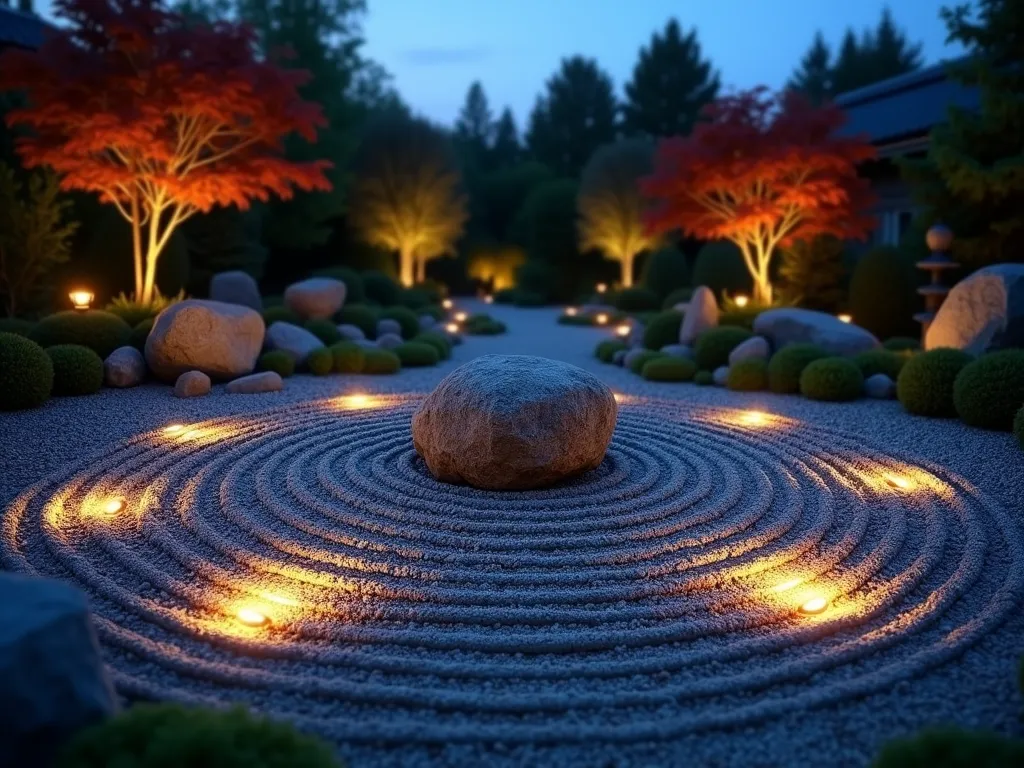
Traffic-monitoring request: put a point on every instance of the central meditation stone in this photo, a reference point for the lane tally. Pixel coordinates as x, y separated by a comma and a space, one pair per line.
514, 422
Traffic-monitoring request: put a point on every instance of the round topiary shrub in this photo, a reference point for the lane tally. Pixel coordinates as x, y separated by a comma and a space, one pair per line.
742, 318
320, 362
636, 300
412, 354
278, 361
883, 293
26, 373
406, 318
324, 330
436, 311
347, 357
140, 333
665, 271
835, 379
77, 370
788, 363
668, 368
16, 325
484, 325
750, 375
714, 345
880, 361
636, 365
354, 292
606, 349
901, 344
663, 329
381, 289
437, 340
361, 316
414, 298
678, 296
925, 383
720, 267
100, 331
989, 391
280, 314
951, 748
704, 378
381, 361
172, 735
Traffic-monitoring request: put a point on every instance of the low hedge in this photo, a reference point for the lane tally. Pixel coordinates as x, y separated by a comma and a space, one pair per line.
347, 357
26, 373
750, 375
324, 330
278, 361
704, 378
786, 366
666, 368
280, 314
77, 370
901, 344
484, 325
989, 391
606, 349
714, 345
17, 326
361, 316
140, 333
663, 329
638, 362
438, 341
925, 383
405, 317
320, 362
413, 354
380, 288
381, 361
100, 331
834, 379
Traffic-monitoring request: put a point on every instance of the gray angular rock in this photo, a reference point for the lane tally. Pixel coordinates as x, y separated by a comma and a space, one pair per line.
351, 332
510, 422
236, 287
255, 383
53, 679
124, 367
387, 325
790, 326
701, 314
221, 340
720, 376
316, 298
427, 322
192, 384
296, 342
619, 358
880, 387
754, 348
389, 340
984, 312
678, 350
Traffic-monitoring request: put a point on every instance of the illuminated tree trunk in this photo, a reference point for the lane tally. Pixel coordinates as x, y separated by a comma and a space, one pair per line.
421, 269
627, 269
406, 264
758, 258
136, 222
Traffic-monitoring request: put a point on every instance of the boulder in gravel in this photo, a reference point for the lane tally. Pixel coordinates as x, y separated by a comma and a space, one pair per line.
880, 387
789, 325
754, 348
984, 312
678, 350
192, 384
619, 358
720, 376
427, 322
236, 287
124, 367
296, 342
351, 332
387, 325
221, 340
255, 383
514, 422
316, 298
701, 314
54, 681
389, 340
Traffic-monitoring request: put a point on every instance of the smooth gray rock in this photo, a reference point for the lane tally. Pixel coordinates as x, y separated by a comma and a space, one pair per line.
221, 340
389, 340
52, 678
366, 343
678, 350
720, 376
754, 348
790, 326
880, 387
701, 315
295, 341
984, 312
316, 298
632, 354
124, 367
510, 422
236, 287
255, 383
387, 325
351, 332
619, 358
427, 322
192, 384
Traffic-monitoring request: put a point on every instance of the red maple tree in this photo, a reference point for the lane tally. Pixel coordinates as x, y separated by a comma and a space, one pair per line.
161, 118
762, 171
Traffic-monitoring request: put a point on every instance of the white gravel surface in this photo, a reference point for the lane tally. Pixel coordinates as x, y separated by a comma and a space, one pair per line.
642, 615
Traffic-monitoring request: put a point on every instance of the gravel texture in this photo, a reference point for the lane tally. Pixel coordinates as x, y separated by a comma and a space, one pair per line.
644, 614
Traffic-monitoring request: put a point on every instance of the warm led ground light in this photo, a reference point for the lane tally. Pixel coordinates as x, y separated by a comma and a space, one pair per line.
899, 482
623, 330
460, 317
601, 319
845, 318
814, 606
452, 328
358, 401
112, 506
570, 311
81, 299
447, 304
601, 287
742, 301
754, 418
251, 617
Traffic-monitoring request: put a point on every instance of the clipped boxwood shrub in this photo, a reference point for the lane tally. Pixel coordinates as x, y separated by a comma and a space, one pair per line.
989, 391
77, 370
406, 318
925, 383
678, 296
788, 363
140, 333
278, 361
347, 357
16, 325
435, 290
354, 292
100, 331
636, 300
361, 316
720, 267
324, 330
380, 288
606, 349
880, 361
415, 298
280, 314
901, 344
413, 354
883, 293
663, 329
320, 361
835, 379
380, 361
951, 748
484, 325
704, 378
665, 271
750, 375
437, 340
152, 735
714, 345
26, 373
667, 368
637, 364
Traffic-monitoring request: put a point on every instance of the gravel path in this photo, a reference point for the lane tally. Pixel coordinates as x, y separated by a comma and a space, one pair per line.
646, 614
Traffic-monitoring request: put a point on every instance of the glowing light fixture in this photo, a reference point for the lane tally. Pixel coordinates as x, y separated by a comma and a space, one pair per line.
601, 319
173, 429
81, 299
251, 617
742, 301
845, 318
814, 606
460, 317
112, 506
488, 299
623, 330
447, 304
452, 328
571, 311
898, 482
601, 287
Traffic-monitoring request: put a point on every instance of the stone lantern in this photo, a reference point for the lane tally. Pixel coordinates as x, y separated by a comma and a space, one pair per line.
939, 239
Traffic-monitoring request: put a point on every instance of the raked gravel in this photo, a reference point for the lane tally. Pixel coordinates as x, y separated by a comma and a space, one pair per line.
644, 615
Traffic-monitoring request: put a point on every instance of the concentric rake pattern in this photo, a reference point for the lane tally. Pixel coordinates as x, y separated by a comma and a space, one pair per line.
720, 568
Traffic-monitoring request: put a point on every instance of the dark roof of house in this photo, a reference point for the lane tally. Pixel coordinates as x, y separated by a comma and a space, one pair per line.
24, 30
900, 111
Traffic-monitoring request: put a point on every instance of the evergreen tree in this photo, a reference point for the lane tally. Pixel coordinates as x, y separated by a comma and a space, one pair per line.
474, 128
811, 273
506, 150
881, 53
670, 85
849, 71
574, 117
223, 239
813, 78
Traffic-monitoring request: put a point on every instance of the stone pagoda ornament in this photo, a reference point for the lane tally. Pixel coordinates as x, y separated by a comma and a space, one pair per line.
939, 239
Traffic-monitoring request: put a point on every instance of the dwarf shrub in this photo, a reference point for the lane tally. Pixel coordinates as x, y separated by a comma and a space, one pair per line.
437, 340
665, 368
835, 379
405, 317
925, 383
140, 333
380, 288
324, 330
77, 370
704, 378
880, 361
26, 373
16, 325
380, 361
637, 364
100, 331
525, 298
606, 349
663, 329
636, 300
951, 748
750, 375
989, 391
347, 357
320, 362
278, 361
788, 363
280, 314
678, 296
484, 325
413, 354
901, 344
714, 345
361, 316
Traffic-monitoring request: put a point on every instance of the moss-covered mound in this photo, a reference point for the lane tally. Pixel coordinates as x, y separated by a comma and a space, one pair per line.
663, 329
77, 370
381, 361
749, 375
835, 379
989, 391
347, 357
714, 345
925, 383
100, 331
788, 363
277, 361
667, 368
320, 362
413, 354
26, 373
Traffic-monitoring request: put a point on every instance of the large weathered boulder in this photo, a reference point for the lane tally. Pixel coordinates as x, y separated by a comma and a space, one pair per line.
124, 367
790, 326
52, 679
295, 341
316, 298
983, 312
221, 340
511, 422
701, 314
236, 287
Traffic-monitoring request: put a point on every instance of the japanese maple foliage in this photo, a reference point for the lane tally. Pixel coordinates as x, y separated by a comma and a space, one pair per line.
762, 171
161, 118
